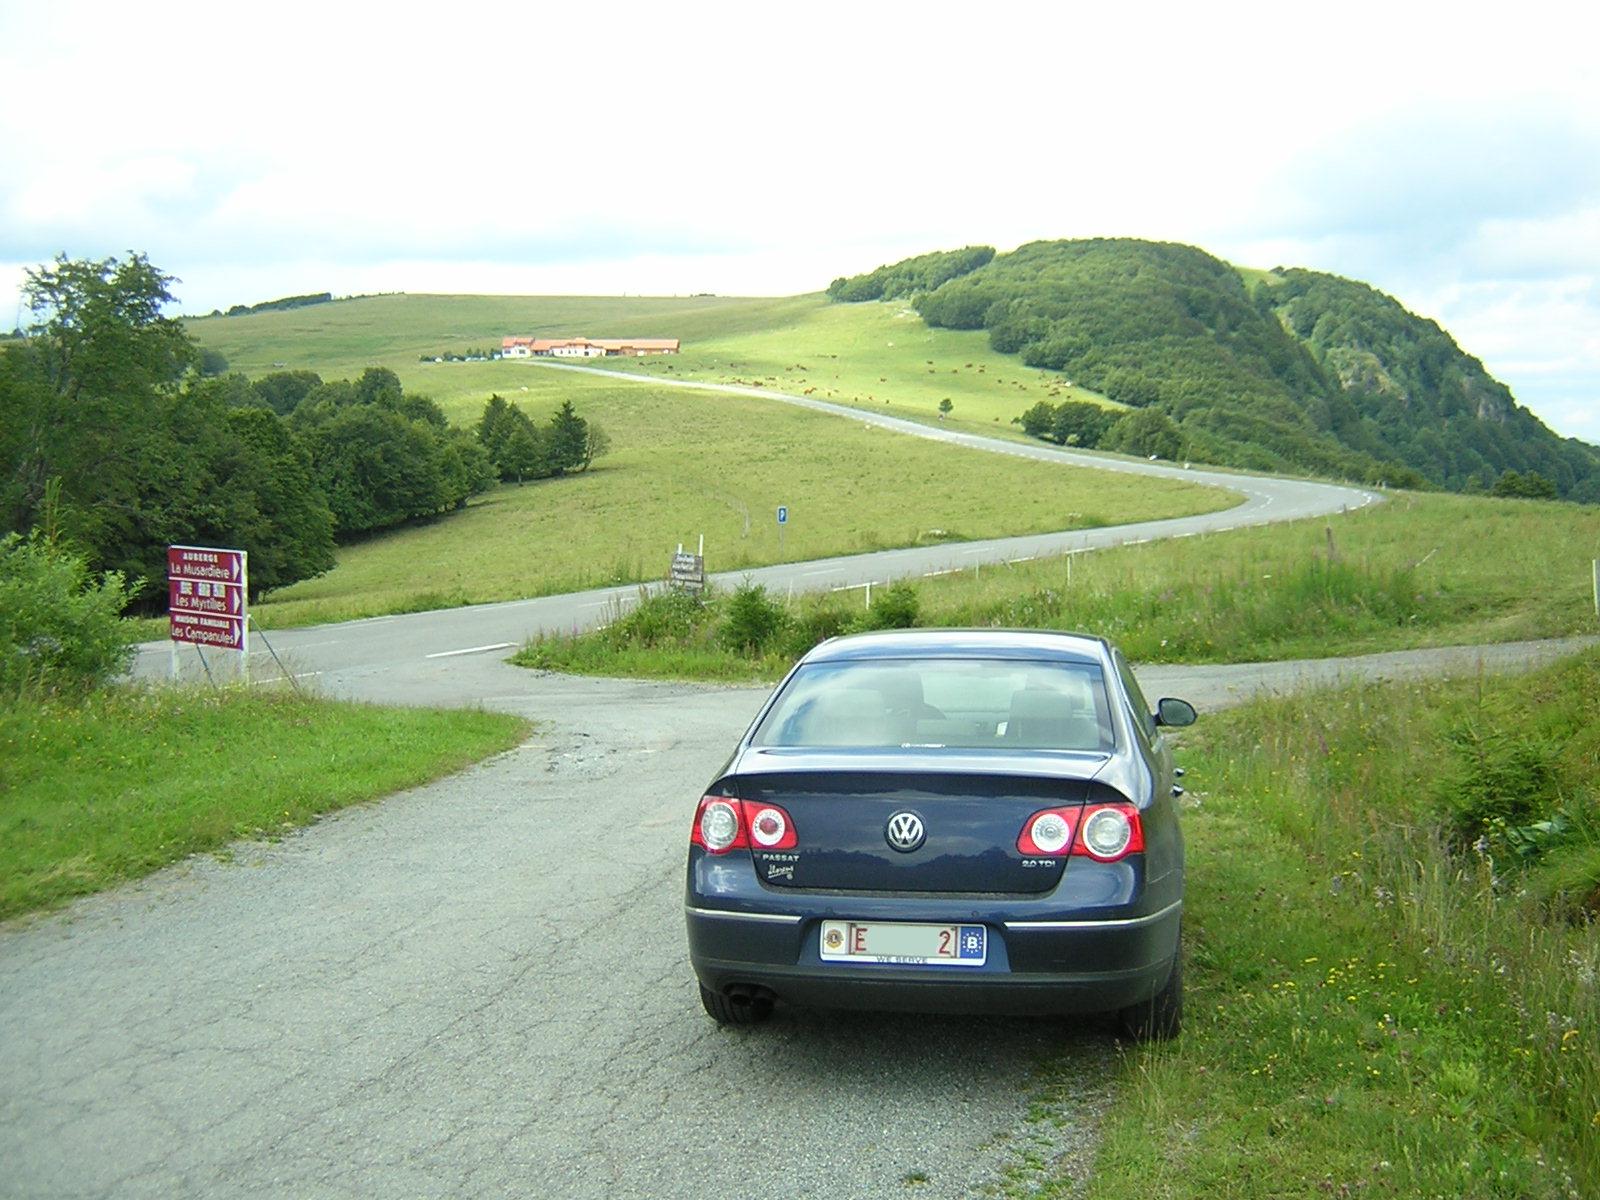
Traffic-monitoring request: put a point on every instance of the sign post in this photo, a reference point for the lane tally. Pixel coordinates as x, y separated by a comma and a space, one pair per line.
208, 593
689, 570
783, 519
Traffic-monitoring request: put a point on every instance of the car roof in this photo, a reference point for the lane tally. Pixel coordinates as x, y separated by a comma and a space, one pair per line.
1035, 644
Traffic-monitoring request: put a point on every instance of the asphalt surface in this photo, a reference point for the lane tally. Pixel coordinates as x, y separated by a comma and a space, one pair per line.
480, 987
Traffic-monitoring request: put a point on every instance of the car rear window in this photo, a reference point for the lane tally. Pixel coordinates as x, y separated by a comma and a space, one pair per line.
957, 703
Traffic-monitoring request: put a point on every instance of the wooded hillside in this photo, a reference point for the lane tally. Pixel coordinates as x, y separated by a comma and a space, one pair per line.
1301, 370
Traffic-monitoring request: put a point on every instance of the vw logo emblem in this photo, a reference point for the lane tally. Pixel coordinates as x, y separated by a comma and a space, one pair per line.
905, 832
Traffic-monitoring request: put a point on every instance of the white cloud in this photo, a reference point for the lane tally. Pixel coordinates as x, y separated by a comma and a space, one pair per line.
258, 150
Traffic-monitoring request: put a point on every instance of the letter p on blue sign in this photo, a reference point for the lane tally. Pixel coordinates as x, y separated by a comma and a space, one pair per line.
783, 514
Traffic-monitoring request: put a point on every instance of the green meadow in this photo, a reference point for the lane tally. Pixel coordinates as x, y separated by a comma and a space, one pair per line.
870, 355
687, 463
874, 355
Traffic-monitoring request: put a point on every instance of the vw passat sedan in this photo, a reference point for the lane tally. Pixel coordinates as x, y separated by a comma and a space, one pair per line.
946, 821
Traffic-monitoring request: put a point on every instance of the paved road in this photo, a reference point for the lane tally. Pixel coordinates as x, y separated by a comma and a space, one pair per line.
384, 644
479, 988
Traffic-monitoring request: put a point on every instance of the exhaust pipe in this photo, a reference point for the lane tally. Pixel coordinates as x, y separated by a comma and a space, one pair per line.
750, 995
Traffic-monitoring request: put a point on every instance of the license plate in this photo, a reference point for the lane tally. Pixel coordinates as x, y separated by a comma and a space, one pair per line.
903, 942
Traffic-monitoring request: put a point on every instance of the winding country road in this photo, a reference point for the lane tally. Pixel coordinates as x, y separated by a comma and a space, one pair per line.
479, 988
357, 652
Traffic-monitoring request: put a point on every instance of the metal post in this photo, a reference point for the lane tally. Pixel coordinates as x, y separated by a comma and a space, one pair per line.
282, 670
174, 645
869, 593
244, 621
1596, 565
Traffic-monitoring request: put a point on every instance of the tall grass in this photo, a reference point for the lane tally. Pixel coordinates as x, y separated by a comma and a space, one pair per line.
1376, 1007
1420, 570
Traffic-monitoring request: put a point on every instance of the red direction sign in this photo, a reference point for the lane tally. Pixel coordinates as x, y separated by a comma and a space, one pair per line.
198, 595
207, 596
204, 562
225, 633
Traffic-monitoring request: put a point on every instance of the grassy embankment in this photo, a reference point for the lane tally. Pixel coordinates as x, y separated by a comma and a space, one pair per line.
1420, 570
1392, 952
682, 464
128, 781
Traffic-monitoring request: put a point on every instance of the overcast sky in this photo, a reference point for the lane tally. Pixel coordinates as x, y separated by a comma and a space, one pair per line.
1448, 155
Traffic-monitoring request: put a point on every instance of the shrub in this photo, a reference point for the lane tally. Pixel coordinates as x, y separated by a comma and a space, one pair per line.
1504, 779
662, 619
753, 619
815, 626
897, 607
60, 628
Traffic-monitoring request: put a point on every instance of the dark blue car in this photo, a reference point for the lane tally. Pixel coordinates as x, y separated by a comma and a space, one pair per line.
946, 821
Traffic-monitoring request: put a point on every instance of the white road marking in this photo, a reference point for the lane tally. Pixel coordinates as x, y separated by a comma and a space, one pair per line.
471, 650
828, 571
281, 678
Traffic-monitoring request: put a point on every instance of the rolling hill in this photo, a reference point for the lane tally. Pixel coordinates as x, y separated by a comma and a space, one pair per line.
682, 463
1286, 369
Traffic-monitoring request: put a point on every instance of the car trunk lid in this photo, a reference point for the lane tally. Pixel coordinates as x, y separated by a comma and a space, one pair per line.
849, 821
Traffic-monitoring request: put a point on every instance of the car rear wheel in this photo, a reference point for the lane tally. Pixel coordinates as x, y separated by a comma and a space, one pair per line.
742, 1008
1160, 1017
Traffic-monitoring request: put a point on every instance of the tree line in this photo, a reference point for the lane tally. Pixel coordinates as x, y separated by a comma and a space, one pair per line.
911, 277
112, 441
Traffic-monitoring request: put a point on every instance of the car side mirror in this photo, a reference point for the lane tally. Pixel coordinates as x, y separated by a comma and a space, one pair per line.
1175, 713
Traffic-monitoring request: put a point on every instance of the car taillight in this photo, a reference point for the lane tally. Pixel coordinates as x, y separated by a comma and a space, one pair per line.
1109, 832
770, 827
1048, 833
724, 823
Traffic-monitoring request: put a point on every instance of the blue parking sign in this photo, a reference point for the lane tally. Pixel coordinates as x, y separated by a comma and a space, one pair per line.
783, 514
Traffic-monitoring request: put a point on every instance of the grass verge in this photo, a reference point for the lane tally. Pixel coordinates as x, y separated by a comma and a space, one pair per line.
128, 781
1420, 570
1392, 974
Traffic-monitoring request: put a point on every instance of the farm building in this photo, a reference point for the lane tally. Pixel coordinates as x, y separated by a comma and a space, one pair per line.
523, 347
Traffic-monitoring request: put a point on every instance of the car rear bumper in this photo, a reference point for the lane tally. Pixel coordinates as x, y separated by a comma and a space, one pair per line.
1066, 965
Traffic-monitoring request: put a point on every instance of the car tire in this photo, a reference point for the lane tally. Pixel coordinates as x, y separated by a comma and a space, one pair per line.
1159, 1018
729, 1010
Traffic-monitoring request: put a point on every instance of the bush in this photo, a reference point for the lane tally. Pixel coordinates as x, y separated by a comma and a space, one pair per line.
897, 607
663, 619
1505, 779
815, 626
753, 619
60, 628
